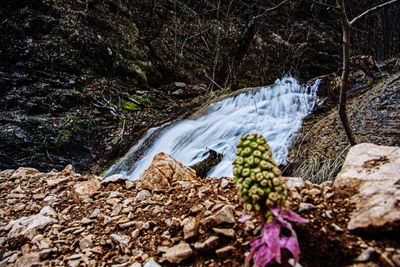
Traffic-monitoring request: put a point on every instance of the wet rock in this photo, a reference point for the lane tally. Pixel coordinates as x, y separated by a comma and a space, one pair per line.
162, 171
204, 166
190, 227
84, 190
209, 244
178, 253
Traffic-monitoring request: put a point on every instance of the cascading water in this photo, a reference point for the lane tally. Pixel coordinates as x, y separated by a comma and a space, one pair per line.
281, 109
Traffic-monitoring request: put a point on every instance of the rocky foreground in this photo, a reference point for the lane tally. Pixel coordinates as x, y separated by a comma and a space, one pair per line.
171, 217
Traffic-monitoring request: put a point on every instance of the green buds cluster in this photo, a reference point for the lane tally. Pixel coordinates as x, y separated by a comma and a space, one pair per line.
256, 176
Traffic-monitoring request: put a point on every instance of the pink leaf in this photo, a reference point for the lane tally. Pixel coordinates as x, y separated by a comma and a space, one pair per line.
264, 256
292, 216
292, 245
270, 236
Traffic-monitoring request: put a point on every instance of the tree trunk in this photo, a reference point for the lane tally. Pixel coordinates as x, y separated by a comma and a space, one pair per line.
345, 72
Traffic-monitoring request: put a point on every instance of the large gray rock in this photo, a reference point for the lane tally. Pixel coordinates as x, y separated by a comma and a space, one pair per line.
372, 172
162, 171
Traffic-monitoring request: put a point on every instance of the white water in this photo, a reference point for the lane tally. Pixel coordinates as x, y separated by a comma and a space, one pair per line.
281, 109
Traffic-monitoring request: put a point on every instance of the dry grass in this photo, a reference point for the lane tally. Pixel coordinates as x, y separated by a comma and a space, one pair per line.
319, 168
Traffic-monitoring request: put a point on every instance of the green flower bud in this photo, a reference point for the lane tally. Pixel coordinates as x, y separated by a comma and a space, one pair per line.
245, 152
250, 160
276, 171
259, 176
244, 137
248, 180
256, 170
238, 151
253, 145
260, 192
276, 181
253, 176
248, 206
264, 183
270, 203
273, 196
257, 153
246, 143
257, 207
246, 172
261, 149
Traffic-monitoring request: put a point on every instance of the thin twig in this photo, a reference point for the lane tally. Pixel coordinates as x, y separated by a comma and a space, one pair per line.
272, 8
214, 82
324, 4
370, 10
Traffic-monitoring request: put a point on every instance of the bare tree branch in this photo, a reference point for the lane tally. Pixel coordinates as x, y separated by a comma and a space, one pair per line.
370, 10
272, 8
324, 4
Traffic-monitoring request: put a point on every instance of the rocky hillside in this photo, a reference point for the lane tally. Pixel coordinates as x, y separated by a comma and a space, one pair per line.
171, 217
82, 80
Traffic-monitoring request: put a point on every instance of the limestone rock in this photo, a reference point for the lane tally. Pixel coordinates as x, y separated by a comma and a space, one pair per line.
84, 190
190, 227
377, 207
30, 259
178, 253
225, 215
23, 173
86, 242
151, 263
225, 251
114, 179
208, 244
373, 173
28, 226
369, 162
226, 232
162, 171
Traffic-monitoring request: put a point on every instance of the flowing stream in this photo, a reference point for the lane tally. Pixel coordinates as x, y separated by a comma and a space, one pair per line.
280, 109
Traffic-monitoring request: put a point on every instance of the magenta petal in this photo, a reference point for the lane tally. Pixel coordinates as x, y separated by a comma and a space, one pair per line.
264, 256
270, 236
255, 243
292, 216
292, 245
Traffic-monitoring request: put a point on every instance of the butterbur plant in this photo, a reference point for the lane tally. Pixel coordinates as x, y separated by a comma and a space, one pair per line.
264, 194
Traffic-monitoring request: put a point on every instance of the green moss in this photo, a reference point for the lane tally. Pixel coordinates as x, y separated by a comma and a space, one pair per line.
128, 105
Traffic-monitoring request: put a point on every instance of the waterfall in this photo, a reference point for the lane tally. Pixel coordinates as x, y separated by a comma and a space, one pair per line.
281, 109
